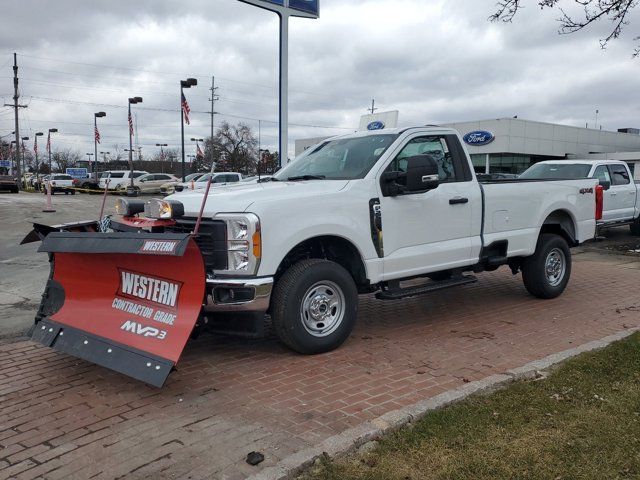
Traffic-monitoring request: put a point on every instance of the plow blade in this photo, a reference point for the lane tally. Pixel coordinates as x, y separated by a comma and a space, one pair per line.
126, 301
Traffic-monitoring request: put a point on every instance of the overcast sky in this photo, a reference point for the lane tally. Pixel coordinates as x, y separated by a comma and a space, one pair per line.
435, 61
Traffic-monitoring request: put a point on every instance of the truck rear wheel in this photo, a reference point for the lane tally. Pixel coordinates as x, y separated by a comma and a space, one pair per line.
314, 306
546, 273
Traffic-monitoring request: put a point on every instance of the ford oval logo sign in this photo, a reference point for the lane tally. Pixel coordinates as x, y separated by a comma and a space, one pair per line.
377, 125
479, 138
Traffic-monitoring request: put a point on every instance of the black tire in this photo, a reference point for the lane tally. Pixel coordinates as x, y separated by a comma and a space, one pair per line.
317, 278
635, 227
73, 192
537, 280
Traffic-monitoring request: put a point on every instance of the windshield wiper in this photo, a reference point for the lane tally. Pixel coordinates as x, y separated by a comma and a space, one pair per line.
270, 179
306, 177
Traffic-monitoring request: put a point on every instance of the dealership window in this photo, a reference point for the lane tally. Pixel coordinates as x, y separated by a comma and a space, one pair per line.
508, 163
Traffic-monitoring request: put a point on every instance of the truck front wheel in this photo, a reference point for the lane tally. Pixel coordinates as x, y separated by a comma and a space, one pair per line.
314, 306
546, 273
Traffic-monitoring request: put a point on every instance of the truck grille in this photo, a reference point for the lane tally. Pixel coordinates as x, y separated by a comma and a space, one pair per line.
212, 240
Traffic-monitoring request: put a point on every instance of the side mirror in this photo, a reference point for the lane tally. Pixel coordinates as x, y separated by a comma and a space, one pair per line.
422, 173
606, 185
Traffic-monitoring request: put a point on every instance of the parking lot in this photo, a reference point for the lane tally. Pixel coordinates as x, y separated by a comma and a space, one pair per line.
65, 418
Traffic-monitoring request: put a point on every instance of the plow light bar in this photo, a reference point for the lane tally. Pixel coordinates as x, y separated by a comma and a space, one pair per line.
163, 209
128, 208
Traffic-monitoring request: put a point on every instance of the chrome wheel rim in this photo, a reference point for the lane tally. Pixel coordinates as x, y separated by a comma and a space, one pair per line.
555, 267
322, 309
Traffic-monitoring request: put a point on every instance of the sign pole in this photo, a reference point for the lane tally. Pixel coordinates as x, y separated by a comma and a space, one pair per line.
284, 90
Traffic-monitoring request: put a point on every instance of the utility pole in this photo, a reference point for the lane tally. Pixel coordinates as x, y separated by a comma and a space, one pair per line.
213, 99
16, 106
373, 106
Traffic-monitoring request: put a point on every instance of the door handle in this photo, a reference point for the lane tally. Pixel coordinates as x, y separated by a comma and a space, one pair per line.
458, 201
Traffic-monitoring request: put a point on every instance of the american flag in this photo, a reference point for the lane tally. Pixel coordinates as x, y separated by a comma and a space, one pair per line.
35, 145
185, 110
130, 124
97, 135
49, 143
199, 152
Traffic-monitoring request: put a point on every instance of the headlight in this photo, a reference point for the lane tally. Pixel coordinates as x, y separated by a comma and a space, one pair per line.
163, 209
128, 208
244, 242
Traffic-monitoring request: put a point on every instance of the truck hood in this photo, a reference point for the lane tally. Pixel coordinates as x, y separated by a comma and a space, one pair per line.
241, 198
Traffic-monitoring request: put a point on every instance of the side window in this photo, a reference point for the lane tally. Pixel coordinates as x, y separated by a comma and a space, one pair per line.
232, 178
619, 175
220, 179
435, 146
602, 173
162, 177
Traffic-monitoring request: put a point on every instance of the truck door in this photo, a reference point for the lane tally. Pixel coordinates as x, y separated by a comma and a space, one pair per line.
623, 191
431, 231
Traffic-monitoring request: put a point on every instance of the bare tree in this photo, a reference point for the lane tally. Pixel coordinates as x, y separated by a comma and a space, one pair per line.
234, 149
617, 12
66, 158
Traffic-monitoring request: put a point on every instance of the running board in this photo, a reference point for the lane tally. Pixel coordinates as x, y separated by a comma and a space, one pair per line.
397, 294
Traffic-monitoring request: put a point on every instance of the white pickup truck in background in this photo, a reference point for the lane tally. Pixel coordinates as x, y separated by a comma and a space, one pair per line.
621, 203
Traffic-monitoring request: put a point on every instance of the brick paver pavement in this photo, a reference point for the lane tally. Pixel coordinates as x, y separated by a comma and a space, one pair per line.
63, 418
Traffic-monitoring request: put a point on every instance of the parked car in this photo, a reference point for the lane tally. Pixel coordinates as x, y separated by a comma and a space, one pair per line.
119, 180
60, 182
169, 188
201, 182
621, 203
153, 182
9, 183
87, 183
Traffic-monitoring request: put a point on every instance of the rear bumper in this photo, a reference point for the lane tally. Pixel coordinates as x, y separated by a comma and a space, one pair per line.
251, 295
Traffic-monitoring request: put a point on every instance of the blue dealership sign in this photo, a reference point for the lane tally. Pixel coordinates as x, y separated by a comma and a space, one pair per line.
6, 164
377, 125
308, 6
77, 172
479, 138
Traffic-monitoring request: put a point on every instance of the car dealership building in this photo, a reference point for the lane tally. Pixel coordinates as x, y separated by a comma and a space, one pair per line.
511, 145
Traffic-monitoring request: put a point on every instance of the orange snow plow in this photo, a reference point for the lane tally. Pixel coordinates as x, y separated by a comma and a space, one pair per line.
125, 300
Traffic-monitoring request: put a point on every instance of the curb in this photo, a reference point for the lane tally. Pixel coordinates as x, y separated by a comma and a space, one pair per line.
349, 440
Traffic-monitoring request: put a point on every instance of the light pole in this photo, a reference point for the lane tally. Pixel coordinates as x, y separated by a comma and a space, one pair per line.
161, 145
35, 150
132, 100
188, 83
14, 169
51, 130
96, 141
90, 155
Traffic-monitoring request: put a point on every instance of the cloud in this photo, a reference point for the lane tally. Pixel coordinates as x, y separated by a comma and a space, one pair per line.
435, 61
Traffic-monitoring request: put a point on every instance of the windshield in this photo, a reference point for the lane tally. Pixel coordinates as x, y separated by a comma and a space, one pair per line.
105, 175
340, 159
193, 176
563, 171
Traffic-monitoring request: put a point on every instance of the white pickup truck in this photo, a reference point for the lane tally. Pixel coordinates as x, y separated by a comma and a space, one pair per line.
621, 205
362, 213
357, 214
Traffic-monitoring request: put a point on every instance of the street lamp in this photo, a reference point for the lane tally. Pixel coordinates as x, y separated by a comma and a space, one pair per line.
35, 150
188, 83
132, 100
161, 145
51, 130
89, 155
96, 141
